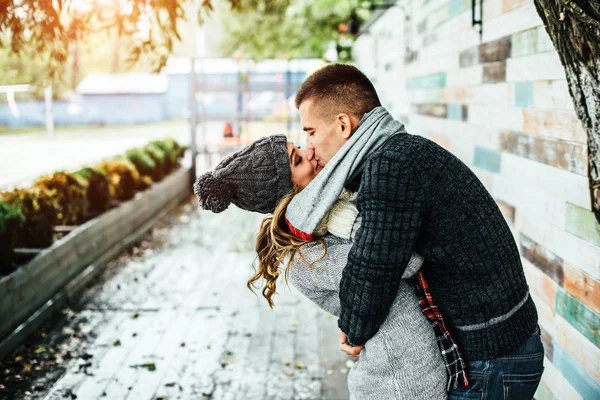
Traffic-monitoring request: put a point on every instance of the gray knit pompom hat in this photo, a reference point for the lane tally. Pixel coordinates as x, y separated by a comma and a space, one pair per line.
254, 179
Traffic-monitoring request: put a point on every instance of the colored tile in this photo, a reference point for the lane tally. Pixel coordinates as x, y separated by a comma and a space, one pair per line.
455, 111
494, 72
455, 7
583, 224
487, 159
436, 80
525, 43
524, 94
498, 50
581, 317
575, 374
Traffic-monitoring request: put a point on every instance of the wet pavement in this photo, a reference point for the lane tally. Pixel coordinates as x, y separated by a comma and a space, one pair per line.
171, 318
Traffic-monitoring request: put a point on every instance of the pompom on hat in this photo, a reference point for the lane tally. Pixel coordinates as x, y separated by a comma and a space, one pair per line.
255, 178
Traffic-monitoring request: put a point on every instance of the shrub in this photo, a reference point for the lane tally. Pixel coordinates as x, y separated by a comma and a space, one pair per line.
68, 195
11, 221
163, 163
123, 178
143, 163
97, 189
40, 215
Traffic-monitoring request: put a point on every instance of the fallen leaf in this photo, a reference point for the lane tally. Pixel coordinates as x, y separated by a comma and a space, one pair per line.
329, 372
288, 373
170, 384
349, 363
299, 365
296, 323
117, 343
343, 371
19, 358
40, 349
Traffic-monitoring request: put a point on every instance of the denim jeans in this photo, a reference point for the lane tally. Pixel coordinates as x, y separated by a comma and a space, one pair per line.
512, 376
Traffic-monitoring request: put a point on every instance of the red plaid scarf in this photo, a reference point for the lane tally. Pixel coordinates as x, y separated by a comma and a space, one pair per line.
455, 365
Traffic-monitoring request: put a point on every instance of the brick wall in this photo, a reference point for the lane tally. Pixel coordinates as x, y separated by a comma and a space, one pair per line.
501, 104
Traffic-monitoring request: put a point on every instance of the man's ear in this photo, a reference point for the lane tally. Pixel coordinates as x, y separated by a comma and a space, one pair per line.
345, 125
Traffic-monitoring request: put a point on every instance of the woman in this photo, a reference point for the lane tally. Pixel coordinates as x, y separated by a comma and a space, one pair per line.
402, 360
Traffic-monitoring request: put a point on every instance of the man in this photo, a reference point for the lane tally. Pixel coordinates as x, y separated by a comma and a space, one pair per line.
414, 196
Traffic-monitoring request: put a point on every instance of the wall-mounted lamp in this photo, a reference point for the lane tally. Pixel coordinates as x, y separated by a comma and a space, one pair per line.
477, 9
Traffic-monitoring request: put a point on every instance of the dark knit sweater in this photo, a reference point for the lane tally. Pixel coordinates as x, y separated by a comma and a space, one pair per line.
416, 197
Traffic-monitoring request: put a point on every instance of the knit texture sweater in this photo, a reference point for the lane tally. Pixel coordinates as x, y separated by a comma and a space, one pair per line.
416, 197
402, 360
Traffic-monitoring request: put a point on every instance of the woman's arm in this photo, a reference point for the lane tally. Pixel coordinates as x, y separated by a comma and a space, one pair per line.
318, 277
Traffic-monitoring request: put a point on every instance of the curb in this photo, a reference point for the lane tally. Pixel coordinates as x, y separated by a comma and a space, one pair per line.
71, 289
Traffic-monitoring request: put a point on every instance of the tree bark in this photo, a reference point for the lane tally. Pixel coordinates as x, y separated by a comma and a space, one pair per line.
574, 27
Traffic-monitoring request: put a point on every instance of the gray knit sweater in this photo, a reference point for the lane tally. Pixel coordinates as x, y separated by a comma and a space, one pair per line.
402, 360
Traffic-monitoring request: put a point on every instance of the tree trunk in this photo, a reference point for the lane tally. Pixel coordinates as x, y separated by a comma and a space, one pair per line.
574, 27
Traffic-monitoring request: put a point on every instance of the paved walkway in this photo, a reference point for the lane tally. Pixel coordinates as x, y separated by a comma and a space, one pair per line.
173, 319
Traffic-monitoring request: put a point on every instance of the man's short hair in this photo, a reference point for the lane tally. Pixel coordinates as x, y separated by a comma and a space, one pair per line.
339, 88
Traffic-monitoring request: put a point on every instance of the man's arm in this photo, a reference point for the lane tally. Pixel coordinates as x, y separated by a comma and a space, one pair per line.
391, 201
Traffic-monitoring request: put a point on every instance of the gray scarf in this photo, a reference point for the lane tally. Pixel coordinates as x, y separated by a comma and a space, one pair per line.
307, 208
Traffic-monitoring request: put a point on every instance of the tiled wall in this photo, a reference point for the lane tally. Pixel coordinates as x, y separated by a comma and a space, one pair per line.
502, 105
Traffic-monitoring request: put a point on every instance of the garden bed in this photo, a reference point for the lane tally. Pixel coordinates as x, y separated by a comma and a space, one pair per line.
33, 284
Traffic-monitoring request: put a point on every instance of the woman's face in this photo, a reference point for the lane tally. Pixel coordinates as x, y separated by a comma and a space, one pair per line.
303, 171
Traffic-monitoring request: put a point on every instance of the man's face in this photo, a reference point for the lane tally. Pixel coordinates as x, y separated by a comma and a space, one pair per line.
325, 137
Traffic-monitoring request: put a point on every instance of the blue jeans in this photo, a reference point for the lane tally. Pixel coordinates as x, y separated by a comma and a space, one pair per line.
512, 376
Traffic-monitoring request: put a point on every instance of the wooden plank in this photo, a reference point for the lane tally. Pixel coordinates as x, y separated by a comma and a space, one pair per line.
427, 81
580, 348
555, 153
557, 384
487, 159
541, 284
543, 392
455, 7
582, 286
516, 20
552, 95
497, 50
583, 224
527, 68
584, 319
559, 124
468, 57
525, 42
507, 210
547, 341
523, 94
575, 374
494, 72
508, 5
432, 110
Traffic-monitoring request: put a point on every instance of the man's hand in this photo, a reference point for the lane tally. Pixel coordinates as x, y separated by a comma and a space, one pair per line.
345, 346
